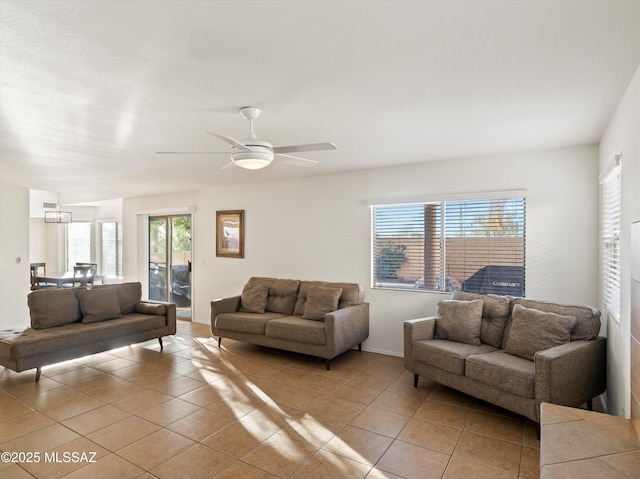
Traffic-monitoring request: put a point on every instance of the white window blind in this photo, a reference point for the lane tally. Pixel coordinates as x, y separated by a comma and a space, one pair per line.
111, 248
475, 245
77, 244
611, 241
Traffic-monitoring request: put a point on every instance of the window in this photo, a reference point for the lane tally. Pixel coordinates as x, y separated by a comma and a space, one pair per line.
611, 241
111, 248
77, 244
476, 245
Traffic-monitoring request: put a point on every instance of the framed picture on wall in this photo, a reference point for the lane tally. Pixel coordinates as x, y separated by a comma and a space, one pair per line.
230, 233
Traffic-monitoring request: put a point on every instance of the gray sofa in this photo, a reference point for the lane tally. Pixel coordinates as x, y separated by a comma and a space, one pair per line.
512, 352
67, 323
317, 318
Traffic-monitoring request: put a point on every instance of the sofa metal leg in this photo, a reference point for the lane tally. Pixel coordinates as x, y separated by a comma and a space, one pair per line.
327, 363
160, 341
219, 341
359, 346
38, 371
590, 404
415, 380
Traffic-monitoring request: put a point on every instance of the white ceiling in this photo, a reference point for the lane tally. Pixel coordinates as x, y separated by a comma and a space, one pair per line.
91, 90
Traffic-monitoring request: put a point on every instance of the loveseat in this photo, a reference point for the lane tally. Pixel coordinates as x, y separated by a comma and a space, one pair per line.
67, 323
317, 318
511, 352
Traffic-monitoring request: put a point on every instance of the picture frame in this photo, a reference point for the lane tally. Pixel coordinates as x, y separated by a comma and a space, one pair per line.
230, 233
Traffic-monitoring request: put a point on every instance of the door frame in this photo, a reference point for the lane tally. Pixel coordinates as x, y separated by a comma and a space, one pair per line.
169, 220
143, 247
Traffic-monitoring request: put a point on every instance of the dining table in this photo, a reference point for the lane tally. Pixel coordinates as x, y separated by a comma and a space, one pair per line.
59, 278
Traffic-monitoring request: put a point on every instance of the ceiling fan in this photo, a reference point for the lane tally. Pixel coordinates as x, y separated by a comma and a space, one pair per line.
253, 154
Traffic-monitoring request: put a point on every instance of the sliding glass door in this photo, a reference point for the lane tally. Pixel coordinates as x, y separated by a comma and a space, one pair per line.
170, 261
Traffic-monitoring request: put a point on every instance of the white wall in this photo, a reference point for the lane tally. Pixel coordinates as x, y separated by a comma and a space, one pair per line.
623, 137
319, 228
46, 240
14, 243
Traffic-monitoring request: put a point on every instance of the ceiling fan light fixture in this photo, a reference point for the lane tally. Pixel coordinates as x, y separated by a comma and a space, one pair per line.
260, 156
252, 163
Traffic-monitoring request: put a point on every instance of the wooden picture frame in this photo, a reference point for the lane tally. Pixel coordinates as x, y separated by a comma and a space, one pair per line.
230, 233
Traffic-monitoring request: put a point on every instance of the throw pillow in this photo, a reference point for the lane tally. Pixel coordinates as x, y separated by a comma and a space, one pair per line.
533, 330
254, 298
98, 304
459, 321
320, 301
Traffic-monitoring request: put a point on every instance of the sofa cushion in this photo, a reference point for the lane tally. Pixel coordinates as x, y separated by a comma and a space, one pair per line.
254, 298
129, 294
495, 312
509, 373
459, 321
588, 325
33, 342
282, 296
53, 307
245, 322
297, 329
352, 293
98, 304
532, 331
447, 355
320, 301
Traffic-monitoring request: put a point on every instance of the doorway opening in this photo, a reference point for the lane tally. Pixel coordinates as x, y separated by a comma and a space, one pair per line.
170, 261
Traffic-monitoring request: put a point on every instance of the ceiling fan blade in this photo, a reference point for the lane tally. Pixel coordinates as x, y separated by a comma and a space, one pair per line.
309, 147
295, 160
231, 141
228, 165
192, 152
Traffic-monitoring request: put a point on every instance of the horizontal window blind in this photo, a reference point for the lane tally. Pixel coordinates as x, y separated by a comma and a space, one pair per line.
111, 248
77, 244
475, 245
611, 242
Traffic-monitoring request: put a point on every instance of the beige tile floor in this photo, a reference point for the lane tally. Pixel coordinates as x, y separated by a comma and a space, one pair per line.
243, 411
577, 444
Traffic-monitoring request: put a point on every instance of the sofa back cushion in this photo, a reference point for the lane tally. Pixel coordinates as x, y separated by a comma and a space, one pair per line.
282, 296
53, 307
352, 294
129, 294
588, 318
495, 312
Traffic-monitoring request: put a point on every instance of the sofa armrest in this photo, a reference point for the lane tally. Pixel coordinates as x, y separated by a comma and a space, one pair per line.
170, 312
421, 328
415, 330
572, 373
346, 327
224, 305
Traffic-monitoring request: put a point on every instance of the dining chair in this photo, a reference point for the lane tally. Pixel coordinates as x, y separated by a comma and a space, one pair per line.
96, 276
33, 274
84, 275
38, 270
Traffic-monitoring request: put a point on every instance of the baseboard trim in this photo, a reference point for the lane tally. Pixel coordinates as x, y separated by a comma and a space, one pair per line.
383, 351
